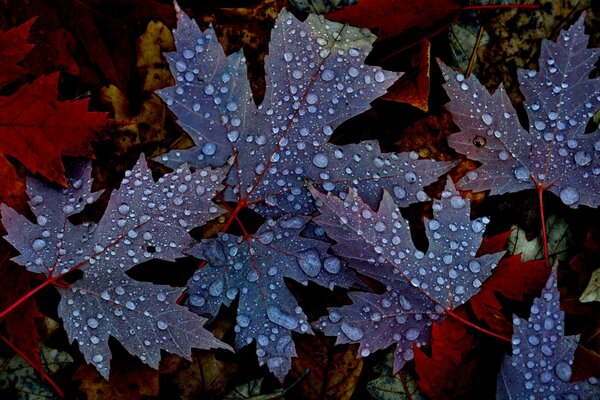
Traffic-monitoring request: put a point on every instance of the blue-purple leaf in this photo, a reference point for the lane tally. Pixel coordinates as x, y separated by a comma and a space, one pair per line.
254, 269
144, 219
420, 286
316, 79
555, 153
542, 357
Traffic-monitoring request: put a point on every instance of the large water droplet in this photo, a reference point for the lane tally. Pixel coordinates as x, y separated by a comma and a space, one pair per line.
332, 265
38, 244
310, 262
327, 75
583, 158
412, 334
563, 371
320, 160
92, 323
487, 119
522, 173
280, 318
162, 325
123, 209
569, 195
353, 332
216, 288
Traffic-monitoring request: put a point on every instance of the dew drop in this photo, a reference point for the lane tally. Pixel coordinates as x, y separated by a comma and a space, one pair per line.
38, 244
522, 173
332, 265
320, 160
287, 56
278, 317
487, 119
569, 195
563, 371
310, 262
352, 332
583, 158
162, 325
327, 75
92, 323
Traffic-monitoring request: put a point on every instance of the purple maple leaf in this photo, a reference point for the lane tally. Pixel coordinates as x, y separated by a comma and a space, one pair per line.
555, 153
316, 79
254, 269
542, 356
144, 219
420, 286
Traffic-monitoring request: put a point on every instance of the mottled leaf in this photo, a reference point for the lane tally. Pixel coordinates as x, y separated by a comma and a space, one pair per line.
592, 291
144, 219
315, 79
542, 356
254, 269
554, 153
420, 286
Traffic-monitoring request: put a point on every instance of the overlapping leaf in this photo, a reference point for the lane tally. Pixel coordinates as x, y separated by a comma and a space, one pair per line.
542, 356
254, 268
316, 79
420, 285
555, 153
143, 220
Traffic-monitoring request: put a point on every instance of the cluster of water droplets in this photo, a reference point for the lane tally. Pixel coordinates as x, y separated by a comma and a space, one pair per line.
254, 271
542, 357
420, 285
144, 219
555, 152
559, 109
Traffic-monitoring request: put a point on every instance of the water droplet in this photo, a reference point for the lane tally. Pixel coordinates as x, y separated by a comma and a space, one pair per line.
539, 125
487, 119
353, 72
97, 358
522, 173
92, 323
161, 296
278, 317
162, 325
332, 265
130, 305
569, 196
410, 177
563, 371
583, 158
475, 266
95, 339
311, 98
352, 332
399, 192
380, 226
287, 56
209, 149
412, 334
457, 202
320, 160
243, 320
310, 262
38, 244
216, 288
327, 75
379, 76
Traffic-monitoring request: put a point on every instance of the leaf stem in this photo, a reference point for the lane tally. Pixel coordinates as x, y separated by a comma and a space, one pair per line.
39, 369
32, 292
474, 326
540, 190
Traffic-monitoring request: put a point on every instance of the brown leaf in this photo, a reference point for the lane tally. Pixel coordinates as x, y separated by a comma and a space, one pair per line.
334, 370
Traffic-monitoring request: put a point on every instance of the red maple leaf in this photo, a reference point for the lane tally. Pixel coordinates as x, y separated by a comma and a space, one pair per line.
38, 130
13, 48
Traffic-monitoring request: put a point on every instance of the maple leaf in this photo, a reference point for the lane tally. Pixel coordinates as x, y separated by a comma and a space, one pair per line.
541, 363
38, 130
13, 48
420, 285
144, 219
254, 268
555, 153
316, 79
